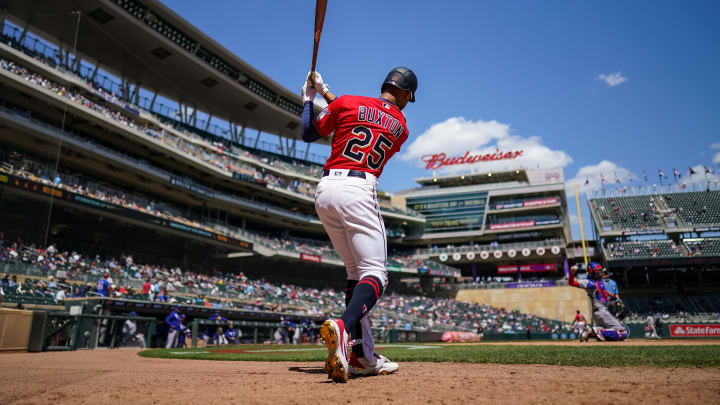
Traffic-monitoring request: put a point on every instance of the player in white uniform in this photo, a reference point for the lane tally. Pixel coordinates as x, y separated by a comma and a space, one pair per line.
367, 132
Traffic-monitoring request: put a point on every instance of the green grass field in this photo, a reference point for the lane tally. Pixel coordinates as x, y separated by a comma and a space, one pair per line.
600, 356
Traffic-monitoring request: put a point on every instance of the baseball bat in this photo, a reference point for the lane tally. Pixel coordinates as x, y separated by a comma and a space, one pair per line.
320, 7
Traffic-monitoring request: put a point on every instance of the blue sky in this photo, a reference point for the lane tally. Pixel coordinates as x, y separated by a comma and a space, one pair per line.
508, 74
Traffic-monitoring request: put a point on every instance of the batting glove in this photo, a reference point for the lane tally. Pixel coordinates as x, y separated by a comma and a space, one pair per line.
316, 79
308, 92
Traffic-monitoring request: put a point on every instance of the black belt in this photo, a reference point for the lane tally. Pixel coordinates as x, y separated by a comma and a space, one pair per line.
350, 173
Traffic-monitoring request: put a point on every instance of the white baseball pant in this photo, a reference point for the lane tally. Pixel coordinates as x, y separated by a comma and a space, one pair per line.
349, 211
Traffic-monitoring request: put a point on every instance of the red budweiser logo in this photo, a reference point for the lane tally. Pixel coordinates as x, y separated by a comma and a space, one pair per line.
438, 160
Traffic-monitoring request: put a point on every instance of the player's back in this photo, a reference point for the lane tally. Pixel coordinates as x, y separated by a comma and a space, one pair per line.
368, 132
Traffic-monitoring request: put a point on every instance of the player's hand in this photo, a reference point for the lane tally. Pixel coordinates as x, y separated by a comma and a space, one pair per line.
573, 269
308, 92
316, 81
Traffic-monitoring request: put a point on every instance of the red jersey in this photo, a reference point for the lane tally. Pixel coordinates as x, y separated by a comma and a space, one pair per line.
578, 317
368, 132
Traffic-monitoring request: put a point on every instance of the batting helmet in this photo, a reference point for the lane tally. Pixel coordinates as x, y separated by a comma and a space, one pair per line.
404, 79
594, 270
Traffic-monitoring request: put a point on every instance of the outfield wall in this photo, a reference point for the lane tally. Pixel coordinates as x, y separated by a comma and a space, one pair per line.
548, 302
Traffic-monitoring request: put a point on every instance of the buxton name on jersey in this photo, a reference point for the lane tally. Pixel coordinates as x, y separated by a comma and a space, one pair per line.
368, 131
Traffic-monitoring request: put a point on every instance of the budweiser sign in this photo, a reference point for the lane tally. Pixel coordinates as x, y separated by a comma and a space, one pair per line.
438, 160
310, 258
695, 330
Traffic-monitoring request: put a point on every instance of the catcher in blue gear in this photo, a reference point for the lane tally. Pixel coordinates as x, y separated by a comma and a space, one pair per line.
607, 327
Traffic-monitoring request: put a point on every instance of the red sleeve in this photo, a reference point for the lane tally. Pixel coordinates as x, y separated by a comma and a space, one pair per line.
326, 120
571, 280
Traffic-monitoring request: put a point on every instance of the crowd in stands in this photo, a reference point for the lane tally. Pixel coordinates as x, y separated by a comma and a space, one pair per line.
35, 171
645, 249
700, 208
649, 212
703, 247
663, 248
635, 212
76, 275
218, 153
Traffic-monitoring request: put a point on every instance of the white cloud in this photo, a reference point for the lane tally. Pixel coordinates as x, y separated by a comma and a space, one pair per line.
612, 79
716, 158
457, 135
593, 173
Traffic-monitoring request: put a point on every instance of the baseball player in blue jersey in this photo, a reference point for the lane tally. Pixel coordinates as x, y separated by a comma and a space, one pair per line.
607, 328
173, 323
232, 334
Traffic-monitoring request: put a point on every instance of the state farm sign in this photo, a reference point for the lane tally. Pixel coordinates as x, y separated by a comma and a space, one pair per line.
695, 330
438, 160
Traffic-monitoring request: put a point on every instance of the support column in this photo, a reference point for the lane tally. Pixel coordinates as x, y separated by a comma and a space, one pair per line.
23, 33
207, 124
307, 151
242, 136
152, 103
257, 139
194, 117
134, 96
95, 72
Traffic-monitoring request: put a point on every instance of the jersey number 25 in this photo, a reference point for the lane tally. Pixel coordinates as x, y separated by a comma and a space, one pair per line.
376, 156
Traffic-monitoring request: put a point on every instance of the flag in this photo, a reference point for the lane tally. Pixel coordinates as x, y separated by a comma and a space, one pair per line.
645, 175
707, 170
691, 170
629, 175
617, 180
602, 178
675, 172
587, 181
624, 189
661, 174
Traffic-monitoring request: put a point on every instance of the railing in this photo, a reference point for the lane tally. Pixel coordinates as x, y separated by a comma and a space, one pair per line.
491, 248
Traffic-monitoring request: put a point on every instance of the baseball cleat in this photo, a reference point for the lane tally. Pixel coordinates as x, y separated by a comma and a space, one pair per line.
382, 366
598, 334
335, 338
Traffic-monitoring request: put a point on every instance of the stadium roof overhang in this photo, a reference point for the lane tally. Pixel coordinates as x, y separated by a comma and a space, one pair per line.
145, 42
456, 180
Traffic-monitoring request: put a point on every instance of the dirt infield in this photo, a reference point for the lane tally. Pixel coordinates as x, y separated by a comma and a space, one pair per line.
103, 376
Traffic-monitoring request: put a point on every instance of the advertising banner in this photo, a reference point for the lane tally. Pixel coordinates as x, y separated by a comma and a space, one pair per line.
310, 258
460, 337
512, 225
540, 202
695, 330
531, 284
527, 268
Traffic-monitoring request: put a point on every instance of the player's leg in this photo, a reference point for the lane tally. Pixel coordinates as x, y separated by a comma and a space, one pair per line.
608, 327
334, 333
335, 229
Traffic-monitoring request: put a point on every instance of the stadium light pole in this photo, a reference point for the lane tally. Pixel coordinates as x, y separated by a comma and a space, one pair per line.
582, 233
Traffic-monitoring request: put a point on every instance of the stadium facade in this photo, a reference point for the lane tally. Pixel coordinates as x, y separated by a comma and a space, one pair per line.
509, 224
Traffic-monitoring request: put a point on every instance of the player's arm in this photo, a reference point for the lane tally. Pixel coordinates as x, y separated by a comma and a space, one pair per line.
586, 284
308, 132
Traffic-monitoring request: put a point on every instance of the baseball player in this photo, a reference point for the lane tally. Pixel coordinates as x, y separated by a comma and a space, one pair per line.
650, 322
173, 323
130, 333
579, 322
232, 334
608, 328
367, 132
